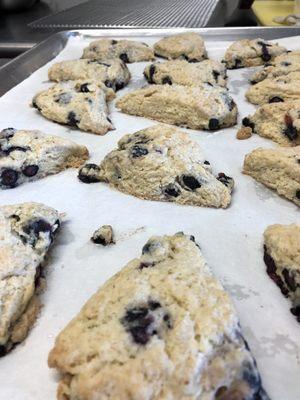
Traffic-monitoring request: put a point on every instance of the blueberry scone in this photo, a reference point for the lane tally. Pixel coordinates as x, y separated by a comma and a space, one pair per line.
161, 328
282, 258
80, 104
128, 51
113, 73
103, 235
279, 122
196, 107
185, 73
27, 232
275, 90
251, 53
281, 65
187, 46
278, 169
162, 163
29, 155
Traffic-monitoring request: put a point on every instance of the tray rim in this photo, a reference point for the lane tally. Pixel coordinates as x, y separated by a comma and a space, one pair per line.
15, 71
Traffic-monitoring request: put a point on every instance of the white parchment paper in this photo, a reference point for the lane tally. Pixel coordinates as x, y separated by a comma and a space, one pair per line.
231, 239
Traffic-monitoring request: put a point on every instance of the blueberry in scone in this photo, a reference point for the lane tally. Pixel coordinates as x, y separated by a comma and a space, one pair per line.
281, 65
187, 46
26, 156
275, 90
129, 51
89, 173
27, 232
161, 328
279, 122
251, 53
112, 73
282, 259
162, 163
80, 104
184, 73
103, 235
278, 169
196, 107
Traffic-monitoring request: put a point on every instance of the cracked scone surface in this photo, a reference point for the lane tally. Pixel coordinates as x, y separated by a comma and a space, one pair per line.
278, 169
198, 107
161, 328
279, 122
128, 51
80, 104
162, 163
282, 258
27, 231
251, 53
26, 156
186, 46
113, 73
275, 90
184, 73
281, 65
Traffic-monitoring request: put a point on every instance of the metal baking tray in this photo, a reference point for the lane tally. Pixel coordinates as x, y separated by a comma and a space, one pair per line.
231, 239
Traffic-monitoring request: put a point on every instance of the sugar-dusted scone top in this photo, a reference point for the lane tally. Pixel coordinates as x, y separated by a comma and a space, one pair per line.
29, 155
27, 231
186, 46
281, 65
184, 73
162, 163
282, 258
272, 90
162, 328
251, 53
128, 51
279, 169
196, 107
81, 104
113, 73
279, 122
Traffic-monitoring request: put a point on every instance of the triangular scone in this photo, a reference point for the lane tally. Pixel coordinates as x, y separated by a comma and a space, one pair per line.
29, 155
113, 73
128, 51
27, 231
279, 169
199, 107
162, 163
186, 46
77, 103
279, 122
275, 90
161, 328
184, 73
282, 258
281, 65
251, 53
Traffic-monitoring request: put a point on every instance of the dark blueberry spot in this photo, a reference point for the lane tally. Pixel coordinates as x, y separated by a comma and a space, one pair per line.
15, 217
237, 63
124, 57
206, 162
290, 131
285, 64
247, 122
7, 133
190, 182
89, 173
296, 311
34, 104
167, 320
37, 226
226, 180
108, 83
30, 170
166, 80
266, 56
138, 151
192, 60
275, 99
151, 73
9, 177
139, 322
271, 271
289, 279
114, 42
171, 190
99, 240
84, 88
213, 124
146, 265
16, 148
184, 57
216, 75
153, 305
63, 98
298, 194
3, 351
72, 119
119, 85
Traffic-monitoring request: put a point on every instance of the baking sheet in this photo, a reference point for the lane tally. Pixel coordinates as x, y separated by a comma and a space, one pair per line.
231, 239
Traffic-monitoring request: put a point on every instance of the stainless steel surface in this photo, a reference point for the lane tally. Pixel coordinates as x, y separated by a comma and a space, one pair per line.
135, 13
21, 67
